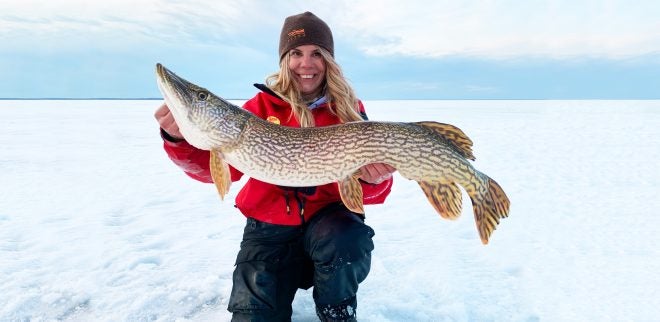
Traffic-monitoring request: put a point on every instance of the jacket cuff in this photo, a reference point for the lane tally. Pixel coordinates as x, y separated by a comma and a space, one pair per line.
167, 137
376, 193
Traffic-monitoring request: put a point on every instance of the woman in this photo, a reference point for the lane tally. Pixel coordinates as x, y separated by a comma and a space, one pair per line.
296, 237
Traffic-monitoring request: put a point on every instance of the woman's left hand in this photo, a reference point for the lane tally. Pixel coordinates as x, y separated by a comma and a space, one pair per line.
376, 173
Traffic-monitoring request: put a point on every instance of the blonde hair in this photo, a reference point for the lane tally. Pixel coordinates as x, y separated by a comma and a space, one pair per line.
341, 97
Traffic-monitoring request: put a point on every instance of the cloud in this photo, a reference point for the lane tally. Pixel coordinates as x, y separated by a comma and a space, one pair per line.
122, 23
434, 28
502, 29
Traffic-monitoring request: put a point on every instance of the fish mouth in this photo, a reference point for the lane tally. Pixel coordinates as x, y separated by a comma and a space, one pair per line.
173, 87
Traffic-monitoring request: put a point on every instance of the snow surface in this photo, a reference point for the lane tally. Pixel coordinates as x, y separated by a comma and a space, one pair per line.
97, 224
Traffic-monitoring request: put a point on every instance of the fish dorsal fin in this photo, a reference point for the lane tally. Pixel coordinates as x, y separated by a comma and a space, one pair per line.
454, 135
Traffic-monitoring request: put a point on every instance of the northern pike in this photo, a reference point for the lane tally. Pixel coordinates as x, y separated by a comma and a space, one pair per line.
433, 154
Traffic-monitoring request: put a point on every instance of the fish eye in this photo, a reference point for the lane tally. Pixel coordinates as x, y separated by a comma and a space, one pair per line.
202, 96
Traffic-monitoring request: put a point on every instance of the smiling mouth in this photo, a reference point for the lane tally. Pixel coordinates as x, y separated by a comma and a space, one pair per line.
307, 76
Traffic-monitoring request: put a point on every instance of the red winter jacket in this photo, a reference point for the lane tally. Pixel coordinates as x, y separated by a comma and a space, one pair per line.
264, 201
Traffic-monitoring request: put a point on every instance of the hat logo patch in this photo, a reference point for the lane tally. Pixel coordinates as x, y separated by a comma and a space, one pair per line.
296, 33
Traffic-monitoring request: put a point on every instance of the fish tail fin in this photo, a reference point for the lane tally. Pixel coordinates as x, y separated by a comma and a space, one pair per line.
490, 205
445, 197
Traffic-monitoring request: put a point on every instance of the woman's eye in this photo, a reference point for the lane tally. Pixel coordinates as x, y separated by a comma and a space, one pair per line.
202, 96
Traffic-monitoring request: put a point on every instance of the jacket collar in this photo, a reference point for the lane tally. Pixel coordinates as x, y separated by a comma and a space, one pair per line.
319, 102
266, 90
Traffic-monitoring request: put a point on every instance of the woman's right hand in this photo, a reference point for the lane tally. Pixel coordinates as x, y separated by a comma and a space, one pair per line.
167, 123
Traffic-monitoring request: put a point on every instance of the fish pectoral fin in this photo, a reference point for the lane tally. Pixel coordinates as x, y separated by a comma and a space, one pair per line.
445, 197
220, 173
350, 191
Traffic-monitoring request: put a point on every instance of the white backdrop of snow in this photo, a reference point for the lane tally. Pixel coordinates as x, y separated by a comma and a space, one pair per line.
96, 224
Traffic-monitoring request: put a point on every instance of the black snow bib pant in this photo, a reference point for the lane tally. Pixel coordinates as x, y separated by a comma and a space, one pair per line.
332, 253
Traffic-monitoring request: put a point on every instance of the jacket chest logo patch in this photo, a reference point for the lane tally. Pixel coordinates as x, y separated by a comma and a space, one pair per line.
273, 119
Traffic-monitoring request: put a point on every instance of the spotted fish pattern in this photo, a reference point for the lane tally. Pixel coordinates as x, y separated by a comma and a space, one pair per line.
436, 155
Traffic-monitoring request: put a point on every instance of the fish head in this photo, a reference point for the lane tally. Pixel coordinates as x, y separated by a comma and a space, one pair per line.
204, 119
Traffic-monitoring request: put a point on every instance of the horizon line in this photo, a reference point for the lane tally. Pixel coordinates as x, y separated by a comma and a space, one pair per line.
372, 99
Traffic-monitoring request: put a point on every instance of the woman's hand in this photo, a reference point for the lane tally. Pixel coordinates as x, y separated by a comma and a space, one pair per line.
376, 173
167, 123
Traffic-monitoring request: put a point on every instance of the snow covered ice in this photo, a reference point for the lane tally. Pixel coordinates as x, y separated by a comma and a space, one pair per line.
97, 224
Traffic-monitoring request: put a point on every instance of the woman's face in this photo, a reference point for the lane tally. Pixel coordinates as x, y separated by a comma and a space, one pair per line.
308, 68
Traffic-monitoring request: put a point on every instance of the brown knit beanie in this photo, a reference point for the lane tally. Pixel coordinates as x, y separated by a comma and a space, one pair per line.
305, 29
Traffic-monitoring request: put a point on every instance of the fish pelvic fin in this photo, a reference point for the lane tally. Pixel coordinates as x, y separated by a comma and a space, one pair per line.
490, 205
445, 197
459, 140
220, 173
350, 191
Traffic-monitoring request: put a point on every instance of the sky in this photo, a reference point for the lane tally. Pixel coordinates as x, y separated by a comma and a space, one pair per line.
388, 49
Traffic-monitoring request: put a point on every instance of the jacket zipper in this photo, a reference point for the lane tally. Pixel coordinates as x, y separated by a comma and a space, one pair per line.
286, 198
301, 207
299, 200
